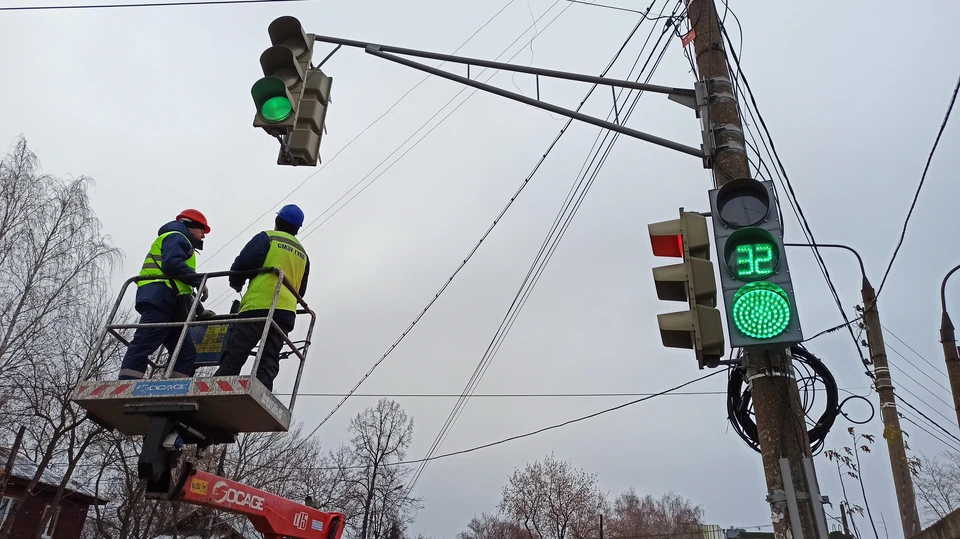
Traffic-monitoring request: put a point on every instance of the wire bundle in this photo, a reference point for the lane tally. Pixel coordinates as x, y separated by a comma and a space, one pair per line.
809, 371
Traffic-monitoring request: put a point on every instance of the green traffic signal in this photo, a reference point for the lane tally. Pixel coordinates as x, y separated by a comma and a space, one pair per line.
276, 109
755, 277
761, 310
273, 100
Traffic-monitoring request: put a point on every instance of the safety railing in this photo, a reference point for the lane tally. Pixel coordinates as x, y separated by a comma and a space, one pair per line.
217, 320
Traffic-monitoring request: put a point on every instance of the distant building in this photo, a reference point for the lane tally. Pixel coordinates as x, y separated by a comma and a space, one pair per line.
68, 518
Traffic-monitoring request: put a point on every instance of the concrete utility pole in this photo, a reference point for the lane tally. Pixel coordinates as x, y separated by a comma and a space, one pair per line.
779, 414
902, 481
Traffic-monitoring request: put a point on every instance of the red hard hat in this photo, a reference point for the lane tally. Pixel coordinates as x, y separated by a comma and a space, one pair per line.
195, 215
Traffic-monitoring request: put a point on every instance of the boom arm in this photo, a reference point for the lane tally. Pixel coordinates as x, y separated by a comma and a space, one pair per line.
273, 516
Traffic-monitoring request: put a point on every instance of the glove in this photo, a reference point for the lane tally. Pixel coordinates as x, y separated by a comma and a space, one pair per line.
207, 313
205, 293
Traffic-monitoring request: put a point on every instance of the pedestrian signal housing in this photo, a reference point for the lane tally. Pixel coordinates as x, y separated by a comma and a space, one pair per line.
692, 280
760, 303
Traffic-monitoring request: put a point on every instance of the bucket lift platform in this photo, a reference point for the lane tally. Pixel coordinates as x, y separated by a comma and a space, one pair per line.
204, 410
226, 405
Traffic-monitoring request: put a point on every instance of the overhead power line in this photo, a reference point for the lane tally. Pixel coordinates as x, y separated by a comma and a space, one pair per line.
147, 4
380, 117
558, 229
466, 259
923, 177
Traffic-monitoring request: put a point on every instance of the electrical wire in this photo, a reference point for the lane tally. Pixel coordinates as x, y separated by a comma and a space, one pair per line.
307, 228
925, 416
149, 4
923, 177
502, 441
377, 120
927, 361
739, 400
545, 253
791, 195
437, 295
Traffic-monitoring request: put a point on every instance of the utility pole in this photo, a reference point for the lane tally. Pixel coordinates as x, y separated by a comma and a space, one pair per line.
784, 445
902, 480
843, 519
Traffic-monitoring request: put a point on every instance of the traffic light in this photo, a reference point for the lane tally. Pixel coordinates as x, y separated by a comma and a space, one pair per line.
284, 66
291, 98
758, 295
692, 280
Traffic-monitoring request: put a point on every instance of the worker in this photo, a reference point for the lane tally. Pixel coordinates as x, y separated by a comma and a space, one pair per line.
277, 248
172, 254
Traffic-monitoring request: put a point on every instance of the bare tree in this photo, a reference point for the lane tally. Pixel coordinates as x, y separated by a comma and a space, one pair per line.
53, 254
488, 526
669, 516
56, 263
58, 433
380, 436
938, 485
552, 500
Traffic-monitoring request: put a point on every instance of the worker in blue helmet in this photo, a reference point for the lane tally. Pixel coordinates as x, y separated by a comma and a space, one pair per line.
277, 248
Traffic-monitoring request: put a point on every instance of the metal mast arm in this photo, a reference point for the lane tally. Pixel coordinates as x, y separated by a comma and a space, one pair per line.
689, 97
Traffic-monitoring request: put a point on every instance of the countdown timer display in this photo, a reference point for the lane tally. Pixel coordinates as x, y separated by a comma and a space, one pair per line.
751, 254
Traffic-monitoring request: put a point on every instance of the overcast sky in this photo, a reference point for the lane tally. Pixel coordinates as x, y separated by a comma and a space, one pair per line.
154, 104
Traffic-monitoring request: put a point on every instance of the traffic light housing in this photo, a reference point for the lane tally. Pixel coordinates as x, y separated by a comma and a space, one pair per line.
304, 142
692, 280
291, 98
760, 304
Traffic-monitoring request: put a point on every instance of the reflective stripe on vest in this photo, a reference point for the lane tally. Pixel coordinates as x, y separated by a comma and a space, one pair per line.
287, 254
151, 265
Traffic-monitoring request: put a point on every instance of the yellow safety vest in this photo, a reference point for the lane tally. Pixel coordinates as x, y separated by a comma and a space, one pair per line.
287, 254
151, 265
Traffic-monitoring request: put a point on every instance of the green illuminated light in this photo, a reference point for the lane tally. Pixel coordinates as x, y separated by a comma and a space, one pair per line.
276, 109
761, 310
755, 260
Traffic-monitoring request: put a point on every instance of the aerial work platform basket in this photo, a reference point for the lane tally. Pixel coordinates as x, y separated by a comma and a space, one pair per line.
203, 410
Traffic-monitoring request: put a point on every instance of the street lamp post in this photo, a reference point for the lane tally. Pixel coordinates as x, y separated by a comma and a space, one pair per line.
948, 338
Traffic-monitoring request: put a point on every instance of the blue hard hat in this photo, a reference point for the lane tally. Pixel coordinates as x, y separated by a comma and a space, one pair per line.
292, 214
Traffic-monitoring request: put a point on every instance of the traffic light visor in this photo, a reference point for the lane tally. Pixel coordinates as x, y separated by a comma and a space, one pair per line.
274, 103
288, 31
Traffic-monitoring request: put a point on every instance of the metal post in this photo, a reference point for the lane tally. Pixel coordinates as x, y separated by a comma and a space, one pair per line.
186, 327
779, 415
268, 325
948, 338
902, 480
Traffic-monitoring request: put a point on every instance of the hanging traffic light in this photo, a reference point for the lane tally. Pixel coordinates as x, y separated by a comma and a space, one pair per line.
754, 275
692, 280
285, 64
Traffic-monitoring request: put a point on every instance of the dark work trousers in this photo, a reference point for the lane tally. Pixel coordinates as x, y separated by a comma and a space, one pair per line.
245, 336
147, 340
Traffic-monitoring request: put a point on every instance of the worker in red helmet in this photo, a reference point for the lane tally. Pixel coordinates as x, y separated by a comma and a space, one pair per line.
160, 300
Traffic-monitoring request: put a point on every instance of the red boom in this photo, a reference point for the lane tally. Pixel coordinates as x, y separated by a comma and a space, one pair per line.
273, 516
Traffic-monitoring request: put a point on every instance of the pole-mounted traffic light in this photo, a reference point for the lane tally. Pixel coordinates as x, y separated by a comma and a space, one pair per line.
698, 328
291, 98
760, 304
